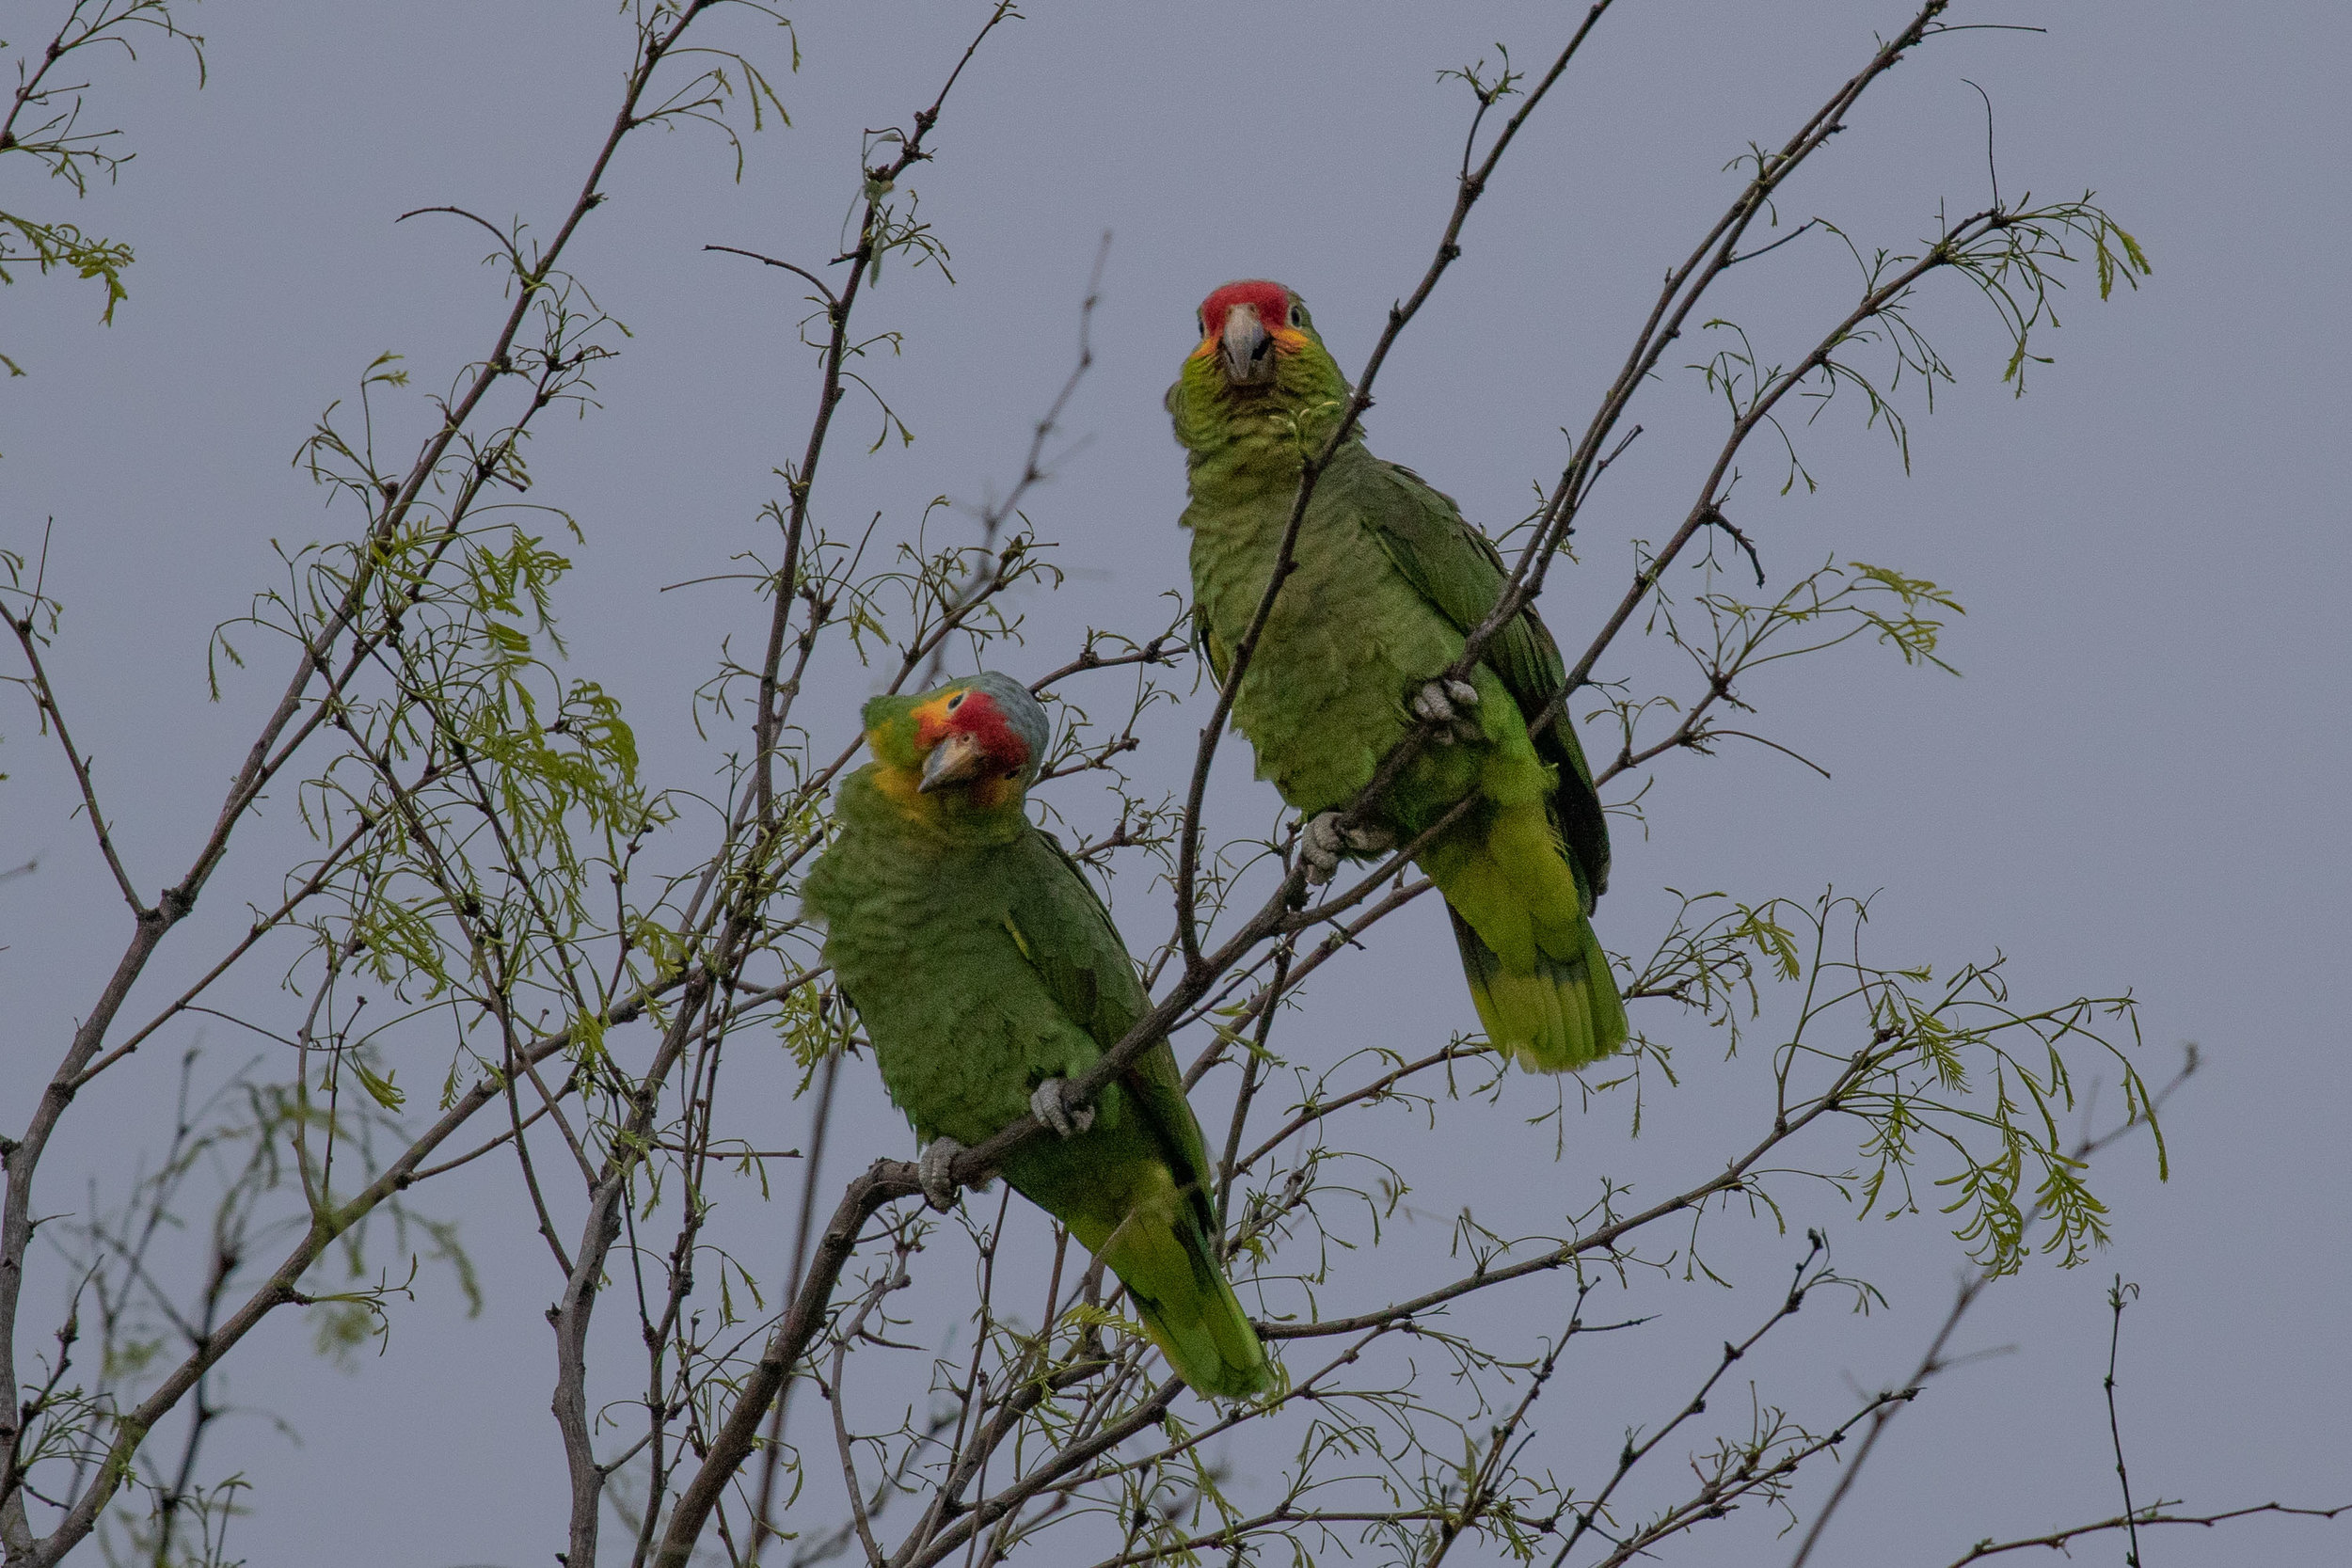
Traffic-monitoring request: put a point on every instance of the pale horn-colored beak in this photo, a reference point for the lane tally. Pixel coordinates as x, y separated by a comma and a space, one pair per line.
1248, 350
952, 761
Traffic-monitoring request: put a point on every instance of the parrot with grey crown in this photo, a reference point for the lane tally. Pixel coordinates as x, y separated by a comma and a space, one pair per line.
988, 974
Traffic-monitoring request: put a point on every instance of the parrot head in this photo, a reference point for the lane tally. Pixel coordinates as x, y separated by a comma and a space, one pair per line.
972, 744
1259, 355
1247, 327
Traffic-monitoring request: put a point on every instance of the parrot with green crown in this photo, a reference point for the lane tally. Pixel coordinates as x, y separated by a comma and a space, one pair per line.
988, 974
1388, 582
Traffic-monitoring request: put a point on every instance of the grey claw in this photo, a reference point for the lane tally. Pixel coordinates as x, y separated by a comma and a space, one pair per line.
1050, 1105
1319, 846
1323, 842
1446, 703
939, 1188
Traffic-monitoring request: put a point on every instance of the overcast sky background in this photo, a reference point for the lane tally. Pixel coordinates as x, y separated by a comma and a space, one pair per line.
2139, 781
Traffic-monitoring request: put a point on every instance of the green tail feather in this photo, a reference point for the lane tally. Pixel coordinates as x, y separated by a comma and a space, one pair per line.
1555, 1018
1535, 969
1187, 1307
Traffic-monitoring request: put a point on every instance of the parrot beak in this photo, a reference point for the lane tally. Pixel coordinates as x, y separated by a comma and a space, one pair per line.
1248, 352
952, 761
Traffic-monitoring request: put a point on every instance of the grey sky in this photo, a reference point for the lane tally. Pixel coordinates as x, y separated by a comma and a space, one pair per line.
2138, 782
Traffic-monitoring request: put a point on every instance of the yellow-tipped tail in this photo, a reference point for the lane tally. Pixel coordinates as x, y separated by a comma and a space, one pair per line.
1150, 1234
1187, 1306
1536, 972
1553, 1017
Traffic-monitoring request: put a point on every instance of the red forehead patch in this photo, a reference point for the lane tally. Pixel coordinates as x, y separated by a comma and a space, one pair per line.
977, 713
1272, 300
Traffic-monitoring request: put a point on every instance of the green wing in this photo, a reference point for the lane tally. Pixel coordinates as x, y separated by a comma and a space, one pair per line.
1061, 927
1460, 571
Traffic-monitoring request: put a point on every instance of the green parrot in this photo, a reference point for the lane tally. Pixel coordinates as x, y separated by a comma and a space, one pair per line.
988, 974
1390, 581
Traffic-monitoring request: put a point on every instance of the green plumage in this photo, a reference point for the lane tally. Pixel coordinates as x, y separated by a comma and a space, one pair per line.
982, 963
1390, 580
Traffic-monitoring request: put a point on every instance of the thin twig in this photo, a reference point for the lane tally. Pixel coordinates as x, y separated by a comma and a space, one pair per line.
1933, 1362
2116, 1296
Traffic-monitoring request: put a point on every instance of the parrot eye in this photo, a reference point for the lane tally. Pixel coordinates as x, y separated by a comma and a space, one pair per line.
955, 702
1200, 320
1299, 314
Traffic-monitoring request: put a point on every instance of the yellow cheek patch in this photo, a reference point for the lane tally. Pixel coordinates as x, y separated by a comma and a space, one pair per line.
1289, 340
902, 788
931, 719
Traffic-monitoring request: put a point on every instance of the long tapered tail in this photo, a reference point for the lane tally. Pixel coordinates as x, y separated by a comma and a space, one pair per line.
1188, 1306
